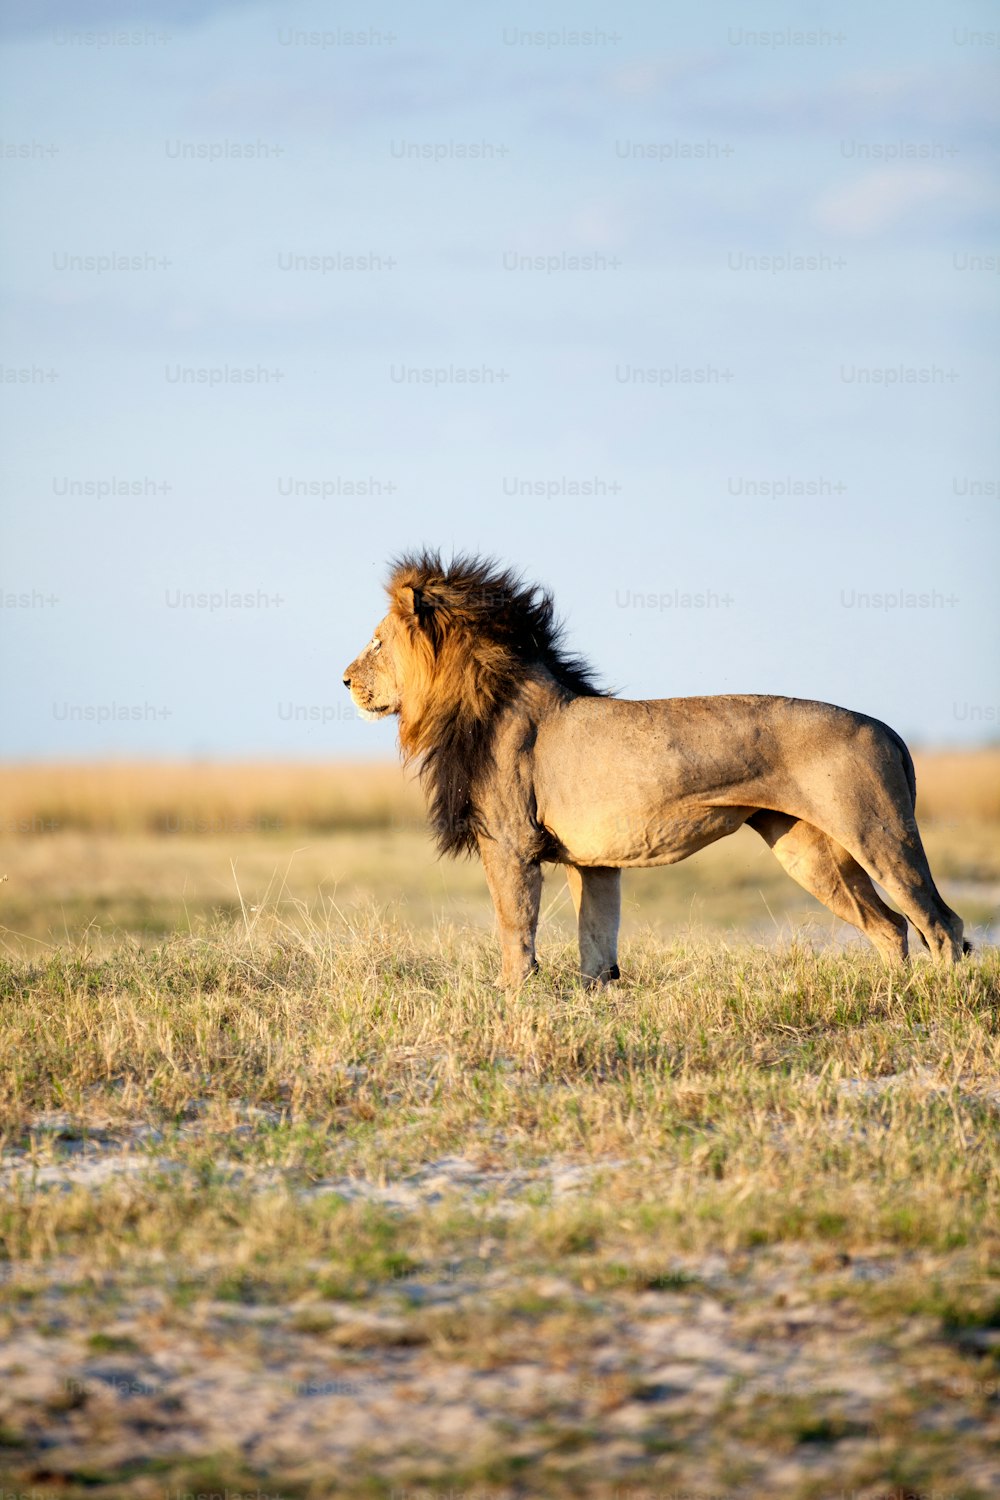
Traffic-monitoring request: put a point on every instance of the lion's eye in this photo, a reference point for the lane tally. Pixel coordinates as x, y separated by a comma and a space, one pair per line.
376, 645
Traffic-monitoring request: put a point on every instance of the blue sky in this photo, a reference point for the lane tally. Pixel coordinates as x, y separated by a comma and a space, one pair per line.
733, 269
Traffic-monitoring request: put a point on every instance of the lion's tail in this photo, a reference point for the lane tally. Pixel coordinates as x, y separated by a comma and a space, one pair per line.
907, 759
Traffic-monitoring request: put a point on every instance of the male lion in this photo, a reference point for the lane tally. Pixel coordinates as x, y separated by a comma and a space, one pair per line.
526, 761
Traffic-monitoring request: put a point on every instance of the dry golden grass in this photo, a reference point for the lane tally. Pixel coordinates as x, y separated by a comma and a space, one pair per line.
173, 798
261, 798
956, 785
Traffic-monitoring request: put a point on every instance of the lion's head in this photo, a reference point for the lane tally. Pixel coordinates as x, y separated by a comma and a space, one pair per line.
457, 645
375, 676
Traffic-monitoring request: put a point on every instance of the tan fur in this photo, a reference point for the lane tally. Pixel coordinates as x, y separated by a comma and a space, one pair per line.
559, 773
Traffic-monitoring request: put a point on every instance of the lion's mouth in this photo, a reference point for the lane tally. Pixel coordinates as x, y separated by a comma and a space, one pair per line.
377, 711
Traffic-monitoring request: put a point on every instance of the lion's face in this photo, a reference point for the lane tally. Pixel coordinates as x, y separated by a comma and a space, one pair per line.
374, 678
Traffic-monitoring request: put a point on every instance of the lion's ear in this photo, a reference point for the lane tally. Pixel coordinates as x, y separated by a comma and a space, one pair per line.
410, 600
416, 605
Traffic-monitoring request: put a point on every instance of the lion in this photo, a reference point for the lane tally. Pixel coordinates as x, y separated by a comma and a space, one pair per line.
526, 761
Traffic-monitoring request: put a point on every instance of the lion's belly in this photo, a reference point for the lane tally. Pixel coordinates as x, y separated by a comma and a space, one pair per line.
620, 837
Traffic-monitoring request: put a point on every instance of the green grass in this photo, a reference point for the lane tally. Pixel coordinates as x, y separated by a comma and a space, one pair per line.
668, 1222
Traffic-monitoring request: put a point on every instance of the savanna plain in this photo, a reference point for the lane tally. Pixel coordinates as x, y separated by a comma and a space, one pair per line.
294, 1202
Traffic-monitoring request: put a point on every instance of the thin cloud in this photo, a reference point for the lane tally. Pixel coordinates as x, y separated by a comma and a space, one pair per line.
882, 200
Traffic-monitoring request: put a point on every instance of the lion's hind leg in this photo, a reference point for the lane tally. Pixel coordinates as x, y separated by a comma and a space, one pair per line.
896, 859
822, 867
877, 826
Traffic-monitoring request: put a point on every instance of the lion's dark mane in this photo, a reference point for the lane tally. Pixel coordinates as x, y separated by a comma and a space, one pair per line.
488, 629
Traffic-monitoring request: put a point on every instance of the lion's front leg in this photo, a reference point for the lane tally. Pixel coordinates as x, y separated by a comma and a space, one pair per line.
597, 897
516, 887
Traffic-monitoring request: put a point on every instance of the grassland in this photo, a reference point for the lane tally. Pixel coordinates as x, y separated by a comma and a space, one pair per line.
295, 1202
95, 853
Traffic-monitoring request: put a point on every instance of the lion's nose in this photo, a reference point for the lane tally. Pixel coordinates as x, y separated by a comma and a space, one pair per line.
347, 683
